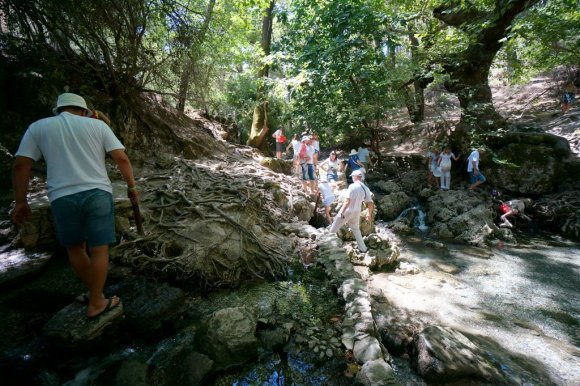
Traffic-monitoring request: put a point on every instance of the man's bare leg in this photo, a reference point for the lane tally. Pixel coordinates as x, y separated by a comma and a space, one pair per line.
475, 185
93, 272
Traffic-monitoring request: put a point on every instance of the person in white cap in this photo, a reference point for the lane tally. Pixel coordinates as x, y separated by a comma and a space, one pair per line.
74, 147
349, 214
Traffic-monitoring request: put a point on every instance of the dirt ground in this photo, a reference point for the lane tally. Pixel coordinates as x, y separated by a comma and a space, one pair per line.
536, 103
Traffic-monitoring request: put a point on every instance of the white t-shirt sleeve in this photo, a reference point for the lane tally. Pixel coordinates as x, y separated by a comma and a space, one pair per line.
110, 140
28, 146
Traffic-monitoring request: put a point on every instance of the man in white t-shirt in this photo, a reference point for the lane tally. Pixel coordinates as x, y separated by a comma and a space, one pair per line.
476, 178
74, 147
349, 214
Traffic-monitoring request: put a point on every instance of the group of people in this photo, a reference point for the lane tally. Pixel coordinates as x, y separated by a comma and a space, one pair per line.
74, 145
439, 168
305, 162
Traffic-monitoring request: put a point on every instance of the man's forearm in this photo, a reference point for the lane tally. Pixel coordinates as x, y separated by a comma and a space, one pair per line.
124, 165
20, 178
371, 208
126, 170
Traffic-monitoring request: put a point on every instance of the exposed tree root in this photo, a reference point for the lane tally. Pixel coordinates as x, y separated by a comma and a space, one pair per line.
201, 222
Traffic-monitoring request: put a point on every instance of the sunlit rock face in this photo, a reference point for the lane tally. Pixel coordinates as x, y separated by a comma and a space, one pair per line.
461, 216
530, 163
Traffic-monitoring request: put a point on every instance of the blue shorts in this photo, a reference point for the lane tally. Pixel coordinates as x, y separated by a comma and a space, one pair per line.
307, 172
85, 216
475, 178
331, 176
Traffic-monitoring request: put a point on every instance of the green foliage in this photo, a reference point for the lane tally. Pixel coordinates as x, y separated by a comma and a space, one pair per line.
337, 67
544, 38
340, 56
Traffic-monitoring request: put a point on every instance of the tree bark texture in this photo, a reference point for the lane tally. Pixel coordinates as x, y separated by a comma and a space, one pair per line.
415, 98
259, 119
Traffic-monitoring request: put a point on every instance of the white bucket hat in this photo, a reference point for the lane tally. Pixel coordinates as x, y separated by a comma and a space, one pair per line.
305, 138
70, 99
353, 152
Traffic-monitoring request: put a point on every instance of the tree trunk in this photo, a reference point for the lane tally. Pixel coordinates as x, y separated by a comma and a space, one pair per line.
468, 71
190, 61
415, 99
259, 119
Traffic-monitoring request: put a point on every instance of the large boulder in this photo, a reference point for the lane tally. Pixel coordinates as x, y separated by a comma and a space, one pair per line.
277, 165
442, 354
177, 363
229, 337
70, 328
533, 162
143, 314
391, 205
462, 216
376, 373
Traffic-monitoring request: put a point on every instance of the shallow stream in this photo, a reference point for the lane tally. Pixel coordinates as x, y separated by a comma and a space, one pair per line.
523, 297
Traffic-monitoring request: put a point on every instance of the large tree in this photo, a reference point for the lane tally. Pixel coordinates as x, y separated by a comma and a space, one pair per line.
259, 120
467, 68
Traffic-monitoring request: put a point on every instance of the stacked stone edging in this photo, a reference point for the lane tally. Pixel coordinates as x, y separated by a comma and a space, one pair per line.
359, 331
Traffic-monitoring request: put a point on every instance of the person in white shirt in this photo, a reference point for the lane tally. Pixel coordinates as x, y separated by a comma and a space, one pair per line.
432, 162
74, 147
364, 156
349, 214
331, 166
445, 164
328, 197
316, 145
310, 157
280, 140
305, 155
295, 145
473, 169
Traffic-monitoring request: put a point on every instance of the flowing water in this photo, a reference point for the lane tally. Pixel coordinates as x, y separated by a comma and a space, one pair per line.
522, 299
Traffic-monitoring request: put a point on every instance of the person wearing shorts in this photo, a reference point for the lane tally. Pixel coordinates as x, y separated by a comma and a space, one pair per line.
79, 190
512, 208
331, 166
307, 175
568, 96
280, 140
476, 178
